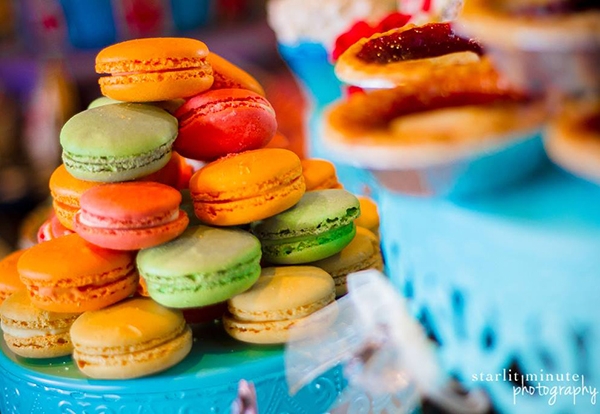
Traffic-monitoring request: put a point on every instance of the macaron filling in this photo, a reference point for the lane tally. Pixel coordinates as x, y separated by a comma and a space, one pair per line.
323, 229
125, 67
113, 164
19, 329
243, 315
202, 280
92, 220
135, 71
291, 246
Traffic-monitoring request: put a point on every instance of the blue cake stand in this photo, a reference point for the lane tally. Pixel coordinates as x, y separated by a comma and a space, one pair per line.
206, 381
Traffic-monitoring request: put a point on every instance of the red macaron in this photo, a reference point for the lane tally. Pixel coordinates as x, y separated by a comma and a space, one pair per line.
130, 216
224, 121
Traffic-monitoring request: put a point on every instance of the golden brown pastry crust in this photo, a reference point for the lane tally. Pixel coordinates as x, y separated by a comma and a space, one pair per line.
573, 145
491, 22
365, 128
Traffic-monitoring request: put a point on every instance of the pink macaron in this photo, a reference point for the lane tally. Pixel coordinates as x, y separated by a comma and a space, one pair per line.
130, 216
224, 121
51, 229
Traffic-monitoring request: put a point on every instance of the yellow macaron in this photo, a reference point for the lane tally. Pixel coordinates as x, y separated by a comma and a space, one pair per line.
369, 215
134, 338
34, 333
282, 297
362, 253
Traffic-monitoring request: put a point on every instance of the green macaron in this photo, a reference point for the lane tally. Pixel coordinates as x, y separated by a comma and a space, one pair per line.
118, 142
203, 266
320, 225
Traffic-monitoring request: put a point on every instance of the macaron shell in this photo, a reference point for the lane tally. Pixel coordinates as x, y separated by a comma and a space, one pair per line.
130, 323
283, 293
229, 76
101, 101
281, 298
319, 174
154, 69
34, 333
10, 281
118, 142
362, 253
318, 226
247, 187
176, 173
66, 190
201, 267
316, 212
51, 229
132, 239
223, 121
134, 338
130, 202
68, 274
115, 57
138, 364
369, 215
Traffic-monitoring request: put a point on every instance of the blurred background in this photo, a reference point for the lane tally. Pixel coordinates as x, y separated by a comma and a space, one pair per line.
47, 52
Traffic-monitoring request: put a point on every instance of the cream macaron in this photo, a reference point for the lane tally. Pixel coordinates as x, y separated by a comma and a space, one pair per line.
34, 333
282, 297
133, 338
362, 253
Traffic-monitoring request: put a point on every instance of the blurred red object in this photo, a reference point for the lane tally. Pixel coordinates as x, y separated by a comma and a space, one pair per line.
363, 29
290, 106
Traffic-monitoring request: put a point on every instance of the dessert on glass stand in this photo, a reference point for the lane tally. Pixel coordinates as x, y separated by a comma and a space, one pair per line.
488, 186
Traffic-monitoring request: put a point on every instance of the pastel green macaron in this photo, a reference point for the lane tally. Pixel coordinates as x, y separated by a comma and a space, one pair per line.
320, 225
118, 142
203, 266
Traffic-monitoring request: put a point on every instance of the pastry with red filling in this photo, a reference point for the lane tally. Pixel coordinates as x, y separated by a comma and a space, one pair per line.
457, 115
404, 55
573, 139
539, 44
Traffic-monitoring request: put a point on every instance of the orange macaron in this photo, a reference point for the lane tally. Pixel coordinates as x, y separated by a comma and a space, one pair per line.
230, 76
245, 187
154, 69
68, 274
130, 216
66, 191
176, 173
319, 174
10, 281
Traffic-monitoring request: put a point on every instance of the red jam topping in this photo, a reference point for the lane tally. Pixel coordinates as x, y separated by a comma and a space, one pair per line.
556, 7
592, 123
363, 29
413, 104
430, 40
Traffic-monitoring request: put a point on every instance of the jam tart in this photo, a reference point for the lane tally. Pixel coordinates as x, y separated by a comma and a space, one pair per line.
456, 115
539, 44
404, 55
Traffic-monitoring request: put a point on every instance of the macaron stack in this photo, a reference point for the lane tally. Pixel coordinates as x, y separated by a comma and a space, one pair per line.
140, 244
